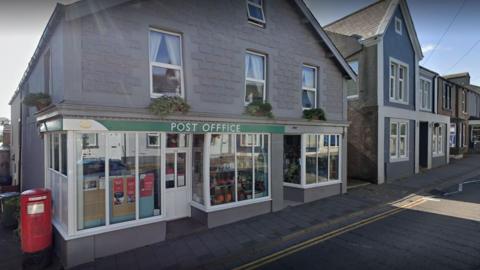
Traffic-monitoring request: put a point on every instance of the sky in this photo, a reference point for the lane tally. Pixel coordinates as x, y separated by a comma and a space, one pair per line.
447, 43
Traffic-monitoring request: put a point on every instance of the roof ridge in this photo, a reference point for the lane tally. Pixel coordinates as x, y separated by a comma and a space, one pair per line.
354, 13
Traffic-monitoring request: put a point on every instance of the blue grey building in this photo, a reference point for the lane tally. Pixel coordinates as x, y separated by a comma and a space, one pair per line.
119, 174
395, 127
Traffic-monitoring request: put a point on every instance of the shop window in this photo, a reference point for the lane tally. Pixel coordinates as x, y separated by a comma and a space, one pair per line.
177, 140
50, 151
166, 63
237, 167
309, 87
149, 173
321, 158
197, 170
90, 183
63, 154
121, 176
255, 82
255, 11
56, 152
292, 157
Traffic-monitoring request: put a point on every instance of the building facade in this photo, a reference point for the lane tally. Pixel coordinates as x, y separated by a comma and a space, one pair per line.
118, 172
395, 128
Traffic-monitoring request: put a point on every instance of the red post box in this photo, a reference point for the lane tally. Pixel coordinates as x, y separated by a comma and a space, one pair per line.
36, 220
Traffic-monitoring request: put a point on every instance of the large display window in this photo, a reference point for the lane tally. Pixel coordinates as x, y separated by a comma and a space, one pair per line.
320, 154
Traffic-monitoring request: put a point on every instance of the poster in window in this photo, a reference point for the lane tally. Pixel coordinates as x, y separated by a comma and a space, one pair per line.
131, 189
118, 193
146, 185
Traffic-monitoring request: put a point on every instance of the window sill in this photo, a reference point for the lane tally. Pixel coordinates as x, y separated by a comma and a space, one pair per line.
355, 97
395, 160
399, 102
307, 186
438, 155
227, 206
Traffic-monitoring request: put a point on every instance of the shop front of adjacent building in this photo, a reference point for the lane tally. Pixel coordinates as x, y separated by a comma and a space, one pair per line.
123, 180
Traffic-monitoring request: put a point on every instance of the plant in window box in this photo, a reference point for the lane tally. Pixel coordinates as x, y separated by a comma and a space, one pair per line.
314, 114
166, 105
39, 100
259, 108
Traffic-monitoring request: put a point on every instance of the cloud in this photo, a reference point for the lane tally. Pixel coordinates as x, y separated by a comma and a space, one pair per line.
428, 48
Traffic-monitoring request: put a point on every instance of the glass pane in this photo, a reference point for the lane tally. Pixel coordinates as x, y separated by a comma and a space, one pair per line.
50, 149
292, 156
166, 81
149, 170
403, 129
121, 158
255, 12
222, 168
175, 140
308, 77
56, 153
261, 151
402, 146
393, 129
334, 158
64, 154
254, 91
323, 158
352, 89
197, 163
181, 169
308, 99
311, 159
354, 66
254, 66
170, 170
90, 183
165, 48
245, 167
393, 145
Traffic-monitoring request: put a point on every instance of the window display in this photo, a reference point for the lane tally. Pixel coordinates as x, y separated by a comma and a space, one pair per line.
122, 183
222, 168
149, 172
292, 157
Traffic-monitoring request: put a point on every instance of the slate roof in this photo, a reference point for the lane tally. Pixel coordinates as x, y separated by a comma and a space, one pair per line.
364, 22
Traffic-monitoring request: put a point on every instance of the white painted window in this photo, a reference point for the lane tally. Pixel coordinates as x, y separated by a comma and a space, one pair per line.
437, 140
255, 12
166, 68
255, 74
398, 25
398, 140
398, 82
351, 85
425, 94
453, 134
309, 87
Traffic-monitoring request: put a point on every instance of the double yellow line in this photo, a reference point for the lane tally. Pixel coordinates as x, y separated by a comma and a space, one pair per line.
316, 240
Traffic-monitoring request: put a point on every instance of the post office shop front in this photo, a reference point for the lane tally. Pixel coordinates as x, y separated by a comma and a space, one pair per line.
114, 179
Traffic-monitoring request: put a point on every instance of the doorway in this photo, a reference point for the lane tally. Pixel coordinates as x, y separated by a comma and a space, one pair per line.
177, 182
423, 145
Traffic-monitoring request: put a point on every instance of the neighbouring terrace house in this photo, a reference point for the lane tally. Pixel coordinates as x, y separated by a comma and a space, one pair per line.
395, 128
118, 173
465, 128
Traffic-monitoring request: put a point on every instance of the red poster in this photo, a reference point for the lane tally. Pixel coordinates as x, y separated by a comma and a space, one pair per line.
131, 189
118, 195
146, 185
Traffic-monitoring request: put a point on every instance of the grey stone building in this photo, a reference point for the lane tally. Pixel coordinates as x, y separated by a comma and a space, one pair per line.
118, 173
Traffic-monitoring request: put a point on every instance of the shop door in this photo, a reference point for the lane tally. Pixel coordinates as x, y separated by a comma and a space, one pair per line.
177, 183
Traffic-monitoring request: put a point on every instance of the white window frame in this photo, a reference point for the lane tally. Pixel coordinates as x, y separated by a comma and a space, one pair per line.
314, 89
255, 20
395, 92
398, 25
163, 65
453, 127
437, 141
426, 94
303, 179
399, 157
95, 145
264, 81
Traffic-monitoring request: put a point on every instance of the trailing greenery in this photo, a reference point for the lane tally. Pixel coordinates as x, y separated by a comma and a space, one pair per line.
166, 105
259, 108
314, 114
39, 100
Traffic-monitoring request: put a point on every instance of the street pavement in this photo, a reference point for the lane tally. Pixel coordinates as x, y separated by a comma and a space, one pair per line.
440, 233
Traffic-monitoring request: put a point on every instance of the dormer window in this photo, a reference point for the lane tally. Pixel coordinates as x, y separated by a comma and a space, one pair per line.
398, 25
255, 12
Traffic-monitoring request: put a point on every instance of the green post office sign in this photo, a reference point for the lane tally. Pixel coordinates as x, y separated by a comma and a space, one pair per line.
190, 127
